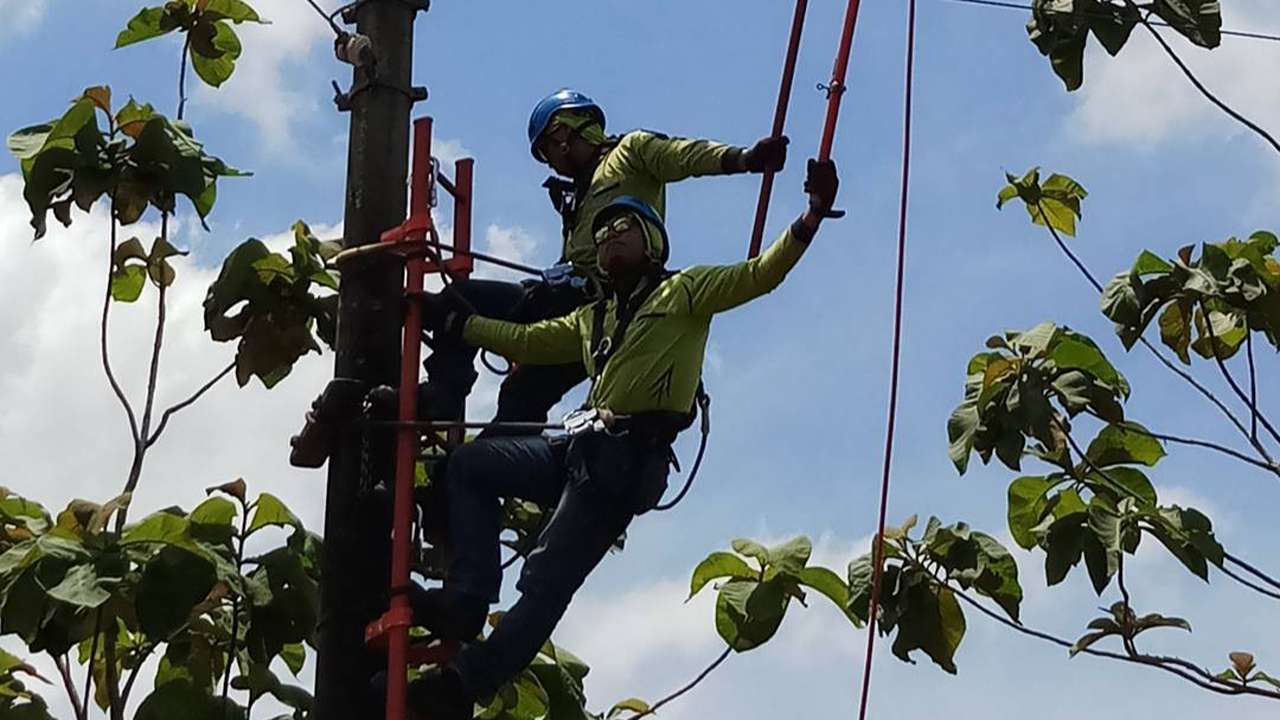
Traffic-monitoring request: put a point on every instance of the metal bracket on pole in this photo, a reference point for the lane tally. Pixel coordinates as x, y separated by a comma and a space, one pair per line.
348, 12
343, 100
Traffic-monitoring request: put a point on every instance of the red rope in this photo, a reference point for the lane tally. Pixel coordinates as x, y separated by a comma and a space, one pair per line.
897, 352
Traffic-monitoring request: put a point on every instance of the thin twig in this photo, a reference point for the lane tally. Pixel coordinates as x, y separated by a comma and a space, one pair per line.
1129, 644
182, 77
1169, 365
1252, 570
93, 656
701, 676
1249, 584
1173, 55
1195, 442
235, 605
64, 671
106, 312
1235, 387
1253, 386
164, 418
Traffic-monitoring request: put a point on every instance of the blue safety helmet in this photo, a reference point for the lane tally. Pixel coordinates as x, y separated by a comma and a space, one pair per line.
563, 99
632, 204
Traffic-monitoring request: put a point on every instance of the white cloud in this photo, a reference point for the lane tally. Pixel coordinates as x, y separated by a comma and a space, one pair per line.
261, 89
1141, 97
510, 243
21, 16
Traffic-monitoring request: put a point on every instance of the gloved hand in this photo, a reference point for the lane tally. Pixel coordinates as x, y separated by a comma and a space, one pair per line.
444, 316
769, 154
821, 184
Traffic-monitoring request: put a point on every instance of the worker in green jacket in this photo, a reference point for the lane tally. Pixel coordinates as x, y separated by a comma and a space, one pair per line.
643, 347
567, 132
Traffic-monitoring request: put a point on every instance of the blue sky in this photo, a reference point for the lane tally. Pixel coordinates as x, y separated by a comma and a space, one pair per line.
799, 378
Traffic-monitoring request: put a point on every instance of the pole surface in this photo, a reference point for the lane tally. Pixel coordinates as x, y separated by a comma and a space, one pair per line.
356, 559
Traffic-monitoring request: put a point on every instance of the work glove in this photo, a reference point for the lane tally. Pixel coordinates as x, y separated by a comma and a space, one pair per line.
444, 316
821, 184
769, 154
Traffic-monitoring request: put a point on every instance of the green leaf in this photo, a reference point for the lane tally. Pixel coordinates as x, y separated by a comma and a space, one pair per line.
719, 565
790, 558
161, 527
81, 587
860, 574
962, 429
181, 699
294, 656
1007, 193
1060, 205
269, 510
1200, 21
1074, 351
1087, 640
131, 118
1026, 507
1064, 545
236, 11
1112, 25
751, 549
127, 283
635, 705
1125, 482
213, 511
1124, 443
1175, 329
1148, 263
173, 582
216, 61
148, 23
748, 613
1155, 620
829, 584
932, 622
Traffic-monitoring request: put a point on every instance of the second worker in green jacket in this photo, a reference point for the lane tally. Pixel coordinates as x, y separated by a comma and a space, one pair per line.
567, 133
643, 347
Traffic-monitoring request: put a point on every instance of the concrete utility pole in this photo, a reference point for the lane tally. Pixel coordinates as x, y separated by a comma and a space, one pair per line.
356, 562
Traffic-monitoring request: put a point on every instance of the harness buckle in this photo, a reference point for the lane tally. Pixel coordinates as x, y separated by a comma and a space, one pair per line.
581, 422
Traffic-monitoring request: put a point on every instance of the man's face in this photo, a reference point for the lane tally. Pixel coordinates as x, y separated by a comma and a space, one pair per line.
620, 246
557, 145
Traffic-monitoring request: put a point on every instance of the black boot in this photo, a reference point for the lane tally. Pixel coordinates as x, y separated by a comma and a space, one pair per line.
441, 401
448, 615
338, 404
440, 695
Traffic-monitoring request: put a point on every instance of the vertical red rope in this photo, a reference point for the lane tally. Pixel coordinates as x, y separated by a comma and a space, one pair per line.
897, 353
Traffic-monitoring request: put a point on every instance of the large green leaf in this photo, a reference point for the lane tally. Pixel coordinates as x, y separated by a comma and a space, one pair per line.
214, 59
148, 23
962, 429
270, 511
791, 557
173, 582
1124, 443
829, 584
1026, 506
719, 565
748, 613
1125, 482
1199, 20
236, 11
183, 700
81, 587
932, 621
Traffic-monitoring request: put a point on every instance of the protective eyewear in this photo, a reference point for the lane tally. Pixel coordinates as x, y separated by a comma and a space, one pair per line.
614, 227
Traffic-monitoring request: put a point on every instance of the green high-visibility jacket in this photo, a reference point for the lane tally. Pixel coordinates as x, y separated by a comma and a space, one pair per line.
641, 164
659, 362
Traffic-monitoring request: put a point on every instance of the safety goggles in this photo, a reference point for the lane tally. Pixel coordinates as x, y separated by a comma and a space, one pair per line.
616, 226
558, 134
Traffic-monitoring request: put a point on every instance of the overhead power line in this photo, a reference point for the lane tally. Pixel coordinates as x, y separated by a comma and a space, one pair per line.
1027, 8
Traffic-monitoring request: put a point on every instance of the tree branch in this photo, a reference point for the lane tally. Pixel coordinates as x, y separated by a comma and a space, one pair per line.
701, 676
1235, 387
182, 77
1253, 385
164, 418
1194, 442
1182, 668
106, 312
1173, 55
64, 671
1168, 364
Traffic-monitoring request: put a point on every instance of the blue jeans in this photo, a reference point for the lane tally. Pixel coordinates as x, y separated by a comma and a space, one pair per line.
592, 510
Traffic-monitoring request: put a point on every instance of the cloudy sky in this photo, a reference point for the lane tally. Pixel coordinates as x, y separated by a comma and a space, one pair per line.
799, 378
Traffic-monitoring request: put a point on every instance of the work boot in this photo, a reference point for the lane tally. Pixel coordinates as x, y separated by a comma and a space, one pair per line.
440, 695
446, 614
338, 404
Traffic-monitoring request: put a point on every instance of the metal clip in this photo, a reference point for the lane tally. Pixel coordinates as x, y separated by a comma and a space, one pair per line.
835, 88
581, 422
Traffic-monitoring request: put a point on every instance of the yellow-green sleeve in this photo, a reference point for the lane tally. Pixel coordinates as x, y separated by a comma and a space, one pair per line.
714, 289
549, 342
674, 159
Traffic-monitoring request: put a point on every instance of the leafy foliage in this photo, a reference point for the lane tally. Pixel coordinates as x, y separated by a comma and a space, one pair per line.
274, 305
1208, 304
16, 700
915, 600
1055, 203
1124, 623
752, 602
1011, 393
172, 585
211, 38
1244, 669
1060, 29
141, 159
